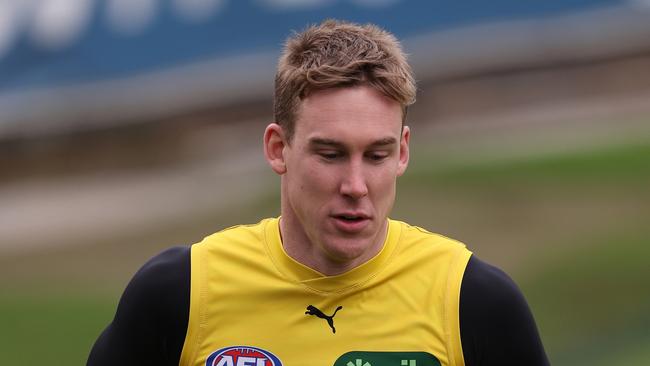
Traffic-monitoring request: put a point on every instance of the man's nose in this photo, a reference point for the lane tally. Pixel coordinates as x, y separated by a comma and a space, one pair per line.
354, 184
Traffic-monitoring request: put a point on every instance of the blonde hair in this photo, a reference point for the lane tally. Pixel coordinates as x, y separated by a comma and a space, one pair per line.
339, 54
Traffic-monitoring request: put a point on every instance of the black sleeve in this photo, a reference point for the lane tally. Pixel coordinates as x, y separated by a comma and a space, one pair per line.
151, 319
496, 325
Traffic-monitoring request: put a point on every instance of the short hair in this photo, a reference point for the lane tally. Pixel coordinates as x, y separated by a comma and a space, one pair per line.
339, 54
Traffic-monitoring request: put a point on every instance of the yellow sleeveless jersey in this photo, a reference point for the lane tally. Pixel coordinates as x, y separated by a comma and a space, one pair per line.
253, 305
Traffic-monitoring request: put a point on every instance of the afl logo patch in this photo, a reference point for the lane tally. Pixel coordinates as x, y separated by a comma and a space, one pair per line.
242, 356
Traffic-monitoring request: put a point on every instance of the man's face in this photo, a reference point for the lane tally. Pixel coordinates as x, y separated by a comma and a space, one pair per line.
339, 174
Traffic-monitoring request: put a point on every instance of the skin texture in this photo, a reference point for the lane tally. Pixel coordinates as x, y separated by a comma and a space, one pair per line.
347, 151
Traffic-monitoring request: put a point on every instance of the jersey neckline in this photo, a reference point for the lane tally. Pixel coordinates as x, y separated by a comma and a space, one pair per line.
319, 282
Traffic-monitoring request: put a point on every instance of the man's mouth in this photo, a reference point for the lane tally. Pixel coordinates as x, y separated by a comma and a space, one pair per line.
350, 218
351, 215
351, 222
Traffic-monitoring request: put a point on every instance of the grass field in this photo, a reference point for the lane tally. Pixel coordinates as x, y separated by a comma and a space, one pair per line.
571, 229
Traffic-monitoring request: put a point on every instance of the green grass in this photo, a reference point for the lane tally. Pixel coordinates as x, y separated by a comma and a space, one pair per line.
591, 304
627, 164
52, 329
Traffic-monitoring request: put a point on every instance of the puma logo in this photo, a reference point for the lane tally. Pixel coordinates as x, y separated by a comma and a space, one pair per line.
312, 310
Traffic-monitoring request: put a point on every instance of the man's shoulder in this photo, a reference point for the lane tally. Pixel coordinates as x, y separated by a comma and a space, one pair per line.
166, 268
241, 232
489, 297
240, 241
151, 318
497, 326
492, 288
434, 255
416, 235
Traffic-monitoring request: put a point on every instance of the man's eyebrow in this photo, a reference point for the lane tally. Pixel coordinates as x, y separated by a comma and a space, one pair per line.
324, 141
385, 141
334, 143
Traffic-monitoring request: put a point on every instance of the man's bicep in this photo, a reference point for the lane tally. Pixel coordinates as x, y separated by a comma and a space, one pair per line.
151, 319
497, 327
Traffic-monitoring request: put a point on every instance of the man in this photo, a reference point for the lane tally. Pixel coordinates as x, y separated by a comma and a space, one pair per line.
332, 281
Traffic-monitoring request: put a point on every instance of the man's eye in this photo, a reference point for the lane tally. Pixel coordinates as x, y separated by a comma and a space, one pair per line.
378, 156
329, 155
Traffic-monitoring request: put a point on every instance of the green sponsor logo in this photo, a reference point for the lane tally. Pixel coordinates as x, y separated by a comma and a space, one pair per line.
359, 358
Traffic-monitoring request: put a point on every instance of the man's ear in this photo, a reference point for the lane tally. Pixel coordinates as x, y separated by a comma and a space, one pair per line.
274, 144
404, 151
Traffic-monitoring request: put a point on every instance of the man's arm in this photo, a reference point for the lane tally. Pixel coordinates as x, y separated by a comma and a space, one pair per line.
151, 319
496, 325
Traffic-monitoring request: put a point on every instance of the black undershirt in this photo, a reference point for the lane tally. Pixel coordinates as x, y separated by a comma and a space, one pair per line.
496, 325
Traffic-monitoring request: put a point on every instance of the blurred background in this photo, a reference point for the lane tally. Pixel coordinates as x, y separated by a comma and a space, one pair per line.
127, 127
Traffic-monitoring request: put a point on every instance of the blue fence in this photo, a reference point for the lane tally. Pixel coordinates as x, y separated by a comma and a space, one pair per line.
61, 42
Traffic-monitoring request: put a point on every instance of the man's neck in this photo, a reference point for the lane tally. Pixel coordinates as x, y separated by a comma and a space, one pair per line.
300, 248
